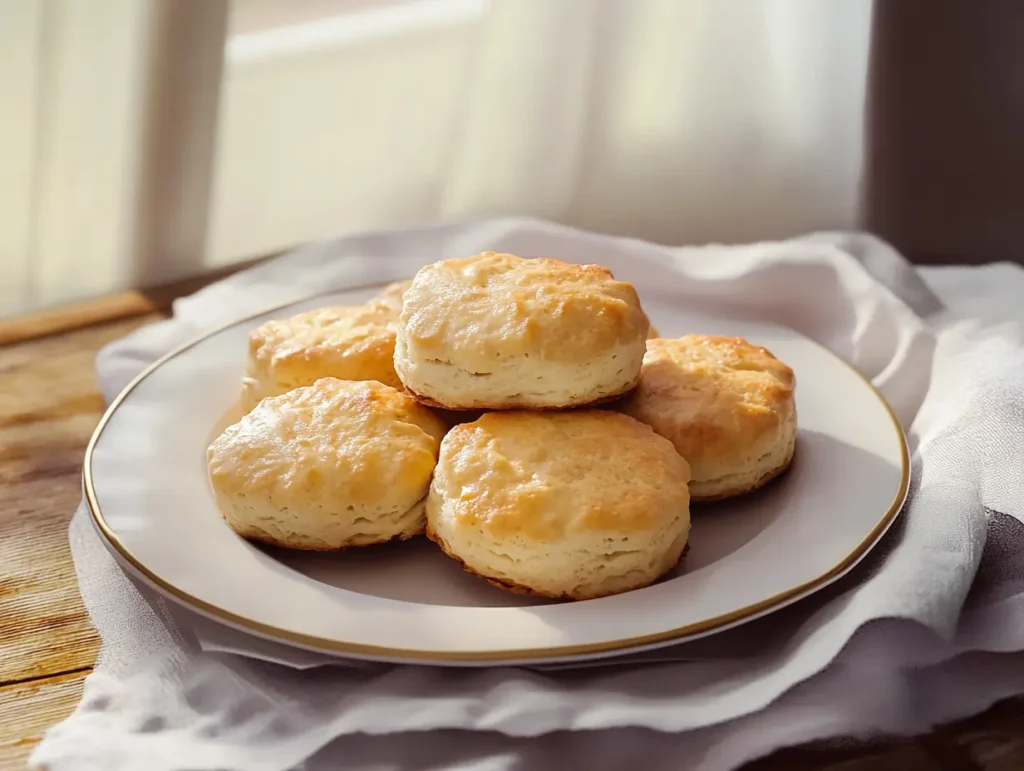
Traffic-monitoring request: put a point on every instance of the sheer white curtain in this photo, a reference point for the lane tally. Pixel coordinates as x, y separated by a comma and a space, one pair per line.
679, 121
107, 119
674, 120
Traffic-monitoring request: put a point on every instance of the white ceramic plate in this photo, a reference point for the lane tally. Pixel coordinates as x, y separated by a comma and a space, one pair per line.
146, 484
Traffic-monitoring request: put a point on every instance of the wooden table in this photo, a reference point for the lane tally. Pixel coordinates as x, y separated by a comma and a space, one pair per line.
49, 405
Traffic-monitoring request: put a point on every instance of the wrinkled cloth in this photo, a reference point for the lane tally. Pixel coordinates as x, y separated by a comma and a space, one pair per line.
929, 628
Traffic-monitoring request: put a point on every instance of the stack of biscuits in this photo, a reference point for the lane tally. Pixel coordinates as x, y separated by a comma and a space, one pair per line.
519, 412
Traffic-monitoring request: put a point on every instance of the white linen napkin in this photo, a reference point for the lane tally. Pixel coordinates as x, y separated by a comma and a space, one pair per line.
927, 629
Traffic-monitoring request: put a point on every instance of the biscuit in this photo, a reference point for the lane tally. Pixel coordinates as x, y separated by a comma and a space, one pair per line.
328, 466
727, 406
346, 342
497, 332
570, 505
392, 295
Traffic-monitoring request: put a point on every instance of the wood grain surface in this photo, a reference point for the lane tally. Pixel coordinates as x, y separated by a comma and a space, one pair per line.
49, 405
28, 709
49, 408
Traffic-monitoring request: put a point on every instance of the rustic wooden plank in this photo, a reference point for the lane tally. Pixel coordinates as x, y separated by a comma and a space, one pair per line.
74, 316
48, 409
29, 709
907, 754
135, 302
994, 740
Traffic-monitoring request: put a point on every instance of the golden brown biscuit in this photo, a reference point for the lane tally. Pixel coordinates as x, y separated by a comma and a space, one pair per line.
392, 295
336, 464
496, 331
568, 505
727, 406
346, 342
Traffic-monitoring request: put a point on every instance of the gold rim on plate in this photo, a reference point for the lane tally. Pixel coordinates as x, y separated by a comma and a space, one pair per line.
410, 654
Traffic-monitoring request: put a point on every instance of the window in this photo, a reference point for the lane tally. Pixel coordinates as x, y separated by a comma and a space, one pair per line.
145, 140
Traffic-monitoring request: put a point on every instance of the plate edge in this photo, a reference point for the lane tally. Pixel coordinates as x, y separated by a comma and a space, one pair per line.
410, 655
